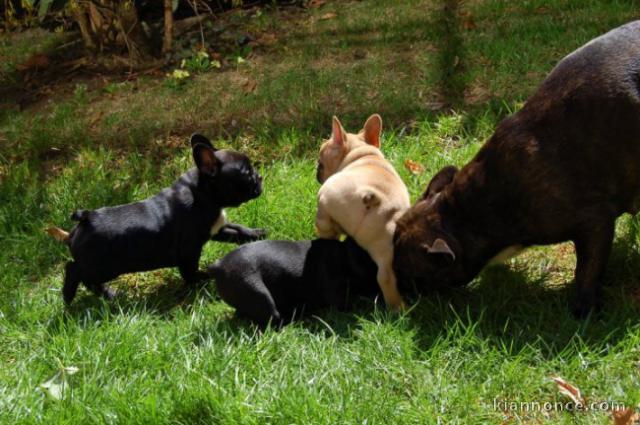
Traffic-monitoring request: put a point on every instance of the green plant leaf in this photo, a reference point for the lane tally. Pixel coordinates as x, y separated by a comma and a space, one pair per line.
174, 4
44, 8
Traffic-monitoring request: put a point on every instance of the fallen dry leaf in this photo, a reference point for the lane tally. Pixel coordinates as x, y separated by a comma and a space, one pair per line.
569, 390
267, 39
34, 62
328, 15
58, 385
628, 416
250, 86
413, 167
314, 4
469, 23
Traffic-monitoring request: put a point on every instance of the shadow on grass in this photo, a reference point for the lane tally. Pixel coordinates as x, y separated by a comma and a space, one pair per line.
508, 309
504, 307
451, 68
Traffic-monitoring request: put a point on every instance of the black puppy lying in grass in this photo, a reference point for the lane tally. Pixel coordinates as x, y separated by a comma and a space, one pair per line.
278, 281
166, 230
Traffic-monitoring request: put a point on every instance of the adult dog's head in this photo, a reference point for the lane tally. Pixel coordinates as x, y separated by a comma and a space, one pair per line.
425, 249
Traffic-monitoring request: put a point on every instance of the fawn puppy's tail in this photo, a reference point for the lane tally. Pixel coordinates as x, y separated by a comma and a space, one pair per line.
58, 234
370, 200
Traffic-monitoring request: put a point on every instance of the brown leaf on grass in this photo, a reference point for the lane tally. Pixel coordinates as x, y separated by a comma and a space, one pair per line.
175, 141
413, 167
267, 39
328, 15
314, 4
34, 62
628, 416
96, 118
468, 22
569, 390
250, 86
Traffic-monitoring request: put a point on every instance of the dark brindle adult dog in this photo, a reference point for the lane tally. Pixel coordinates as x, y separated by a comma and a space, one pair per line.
562, 168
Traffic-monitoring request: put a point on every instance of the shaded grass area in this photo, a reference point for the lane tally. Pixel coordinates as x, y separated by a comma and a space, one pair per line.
163, 353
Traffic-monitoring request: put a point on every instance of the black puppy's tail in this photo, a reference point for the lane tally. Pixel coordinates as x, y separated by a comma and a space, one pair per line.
80, 215
59, 234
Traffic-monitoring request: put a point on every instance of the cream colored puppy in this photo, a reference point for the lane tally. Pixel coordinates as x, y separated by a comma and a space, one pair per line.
362, 195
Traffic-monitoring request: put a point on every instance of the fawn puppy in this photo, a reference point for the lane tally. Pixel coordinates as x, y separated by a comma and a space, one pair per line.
563, 168
362, 195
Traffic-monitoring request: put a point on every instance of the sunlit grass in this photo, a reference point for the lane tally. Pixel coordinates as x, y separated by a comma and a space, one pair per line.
164, 354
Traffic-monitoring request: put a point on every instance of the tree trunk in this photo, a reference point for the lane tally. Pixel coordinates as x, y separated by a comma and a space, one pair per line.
168, 27
85, 29
130, 29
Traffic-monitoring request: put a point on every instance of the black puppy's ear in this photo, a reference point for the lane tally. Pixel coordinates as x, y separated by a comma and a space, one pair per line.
439, 182
205, 159
197, 138
440, 248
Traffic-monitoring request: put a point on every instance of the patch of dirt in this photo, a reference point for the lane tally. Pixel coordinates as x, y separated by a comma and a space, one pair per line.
477, 92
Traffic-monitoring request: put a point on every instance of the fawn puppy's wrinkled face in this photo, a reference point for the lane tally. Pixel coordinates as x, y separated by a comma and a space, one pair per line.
226, 169
334, 150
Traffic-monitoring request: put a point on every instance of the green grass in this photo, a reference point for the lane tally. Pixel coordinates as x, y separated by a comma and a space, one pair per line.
164, 354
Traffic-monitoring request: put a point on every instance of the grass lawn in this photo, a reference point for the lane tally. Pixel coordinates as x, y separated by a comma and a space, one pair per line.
441, 73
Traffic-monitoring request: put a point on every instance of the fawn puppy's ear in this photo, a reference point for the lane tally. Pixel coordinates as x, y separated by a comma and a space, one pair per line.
338, 135
205, 159
199, 138
372, 130
440, 248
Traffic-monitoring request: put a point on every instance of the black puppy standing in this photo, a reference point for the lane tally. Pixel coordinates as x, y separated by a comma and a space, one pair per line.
277, 281
166, 230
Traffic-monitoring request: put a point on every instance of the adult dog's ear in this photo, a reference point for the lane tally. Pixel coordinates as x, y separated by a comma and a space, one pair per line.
440, 249
205, 159
439, 182
197, 138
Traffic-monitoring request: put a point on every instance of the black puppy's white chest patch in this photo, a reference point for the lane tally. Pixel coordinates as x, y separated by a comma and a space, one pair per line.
221, 221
